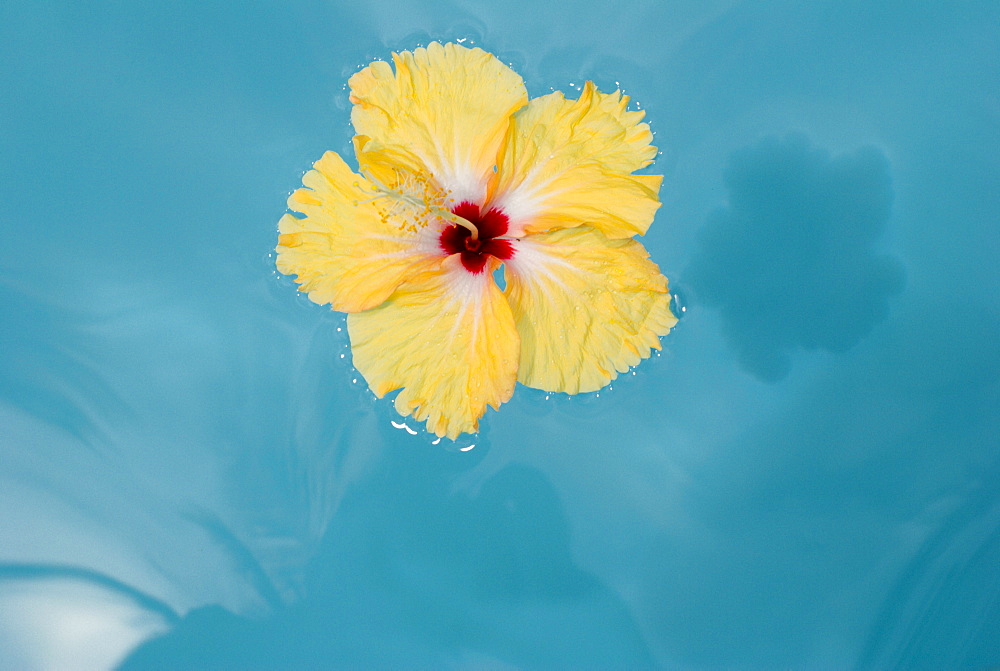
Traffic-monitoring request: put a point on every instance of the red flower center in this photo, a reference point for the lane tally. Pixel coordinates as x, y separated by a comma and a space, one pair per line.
476, 252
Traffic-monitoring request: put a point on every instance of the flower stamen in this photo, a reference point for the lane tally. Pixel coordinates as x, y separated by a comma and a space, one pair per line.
461, 221
476, 236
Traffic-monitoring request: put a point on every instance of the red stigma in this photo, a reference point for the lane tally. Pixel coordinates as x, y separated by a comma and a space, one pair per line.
476, 253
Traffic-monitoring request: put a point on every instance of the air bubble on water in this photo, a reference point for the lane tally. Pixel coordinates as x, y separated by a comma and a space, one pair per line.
679, 302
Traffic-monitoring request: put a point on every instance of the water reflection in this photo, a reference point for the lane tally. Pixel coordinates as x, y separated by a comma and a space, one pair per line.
413, 573
203, 487
48, 369
944, 609
65, 617
791, 262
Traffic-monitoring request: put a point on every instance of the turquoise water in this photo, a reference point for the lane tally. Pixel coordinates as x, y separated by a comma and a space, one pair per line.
192, 476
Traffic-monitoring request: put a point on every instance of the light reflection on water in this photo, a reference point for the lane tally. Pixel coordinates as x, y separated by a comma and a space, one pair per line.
187, 454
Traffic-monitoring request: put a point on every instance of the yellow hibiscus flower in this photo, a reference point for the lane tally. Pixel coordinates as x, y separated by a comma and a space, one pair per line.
461, 174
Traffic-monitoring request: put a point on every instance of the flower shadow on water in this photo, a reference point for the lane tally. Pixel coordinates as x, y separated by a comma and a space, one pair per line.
791, 262
410, 574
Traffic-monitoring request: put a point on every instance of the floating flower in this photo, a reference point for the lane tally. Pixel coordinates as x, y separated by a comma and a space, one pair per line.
460, 174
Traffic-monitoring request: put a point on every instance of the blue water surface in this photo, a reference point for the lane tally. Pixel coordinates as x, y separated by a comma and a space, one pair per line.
193, 476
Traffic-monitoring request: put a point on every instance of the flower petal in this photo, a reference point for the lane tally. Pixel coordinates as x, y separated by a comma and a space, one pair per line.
568, 162
349, 250
448, 105
587, 308
448, 339
407, 190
